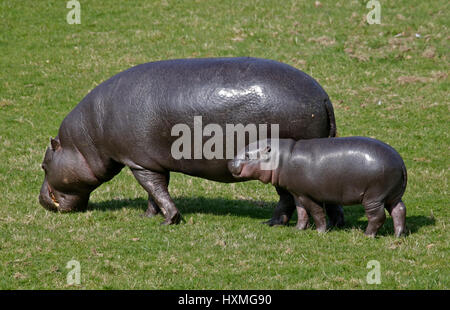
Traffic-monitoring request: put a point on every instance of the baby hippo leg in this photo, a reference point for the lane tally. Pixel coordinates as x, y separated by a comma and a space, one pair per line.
398, 213
302, 216
375, 215
316, 211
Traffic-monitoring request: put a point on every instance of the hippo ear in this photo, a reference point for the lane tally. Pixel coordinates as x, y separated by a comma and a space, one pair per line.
55, 144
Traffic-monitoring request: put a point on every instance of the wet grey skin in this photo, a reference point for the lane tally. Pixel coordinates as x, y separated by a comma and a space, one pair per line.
338, 171
127, 121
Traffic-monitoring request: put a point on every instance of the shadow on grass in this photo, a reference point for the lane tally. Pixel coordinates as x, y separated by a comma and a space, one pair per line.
187, 205
354, 215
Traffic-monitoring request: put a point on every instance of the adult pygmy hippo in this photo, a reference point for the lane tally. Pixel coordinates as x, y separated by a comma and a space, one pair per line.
348, 171
127, 121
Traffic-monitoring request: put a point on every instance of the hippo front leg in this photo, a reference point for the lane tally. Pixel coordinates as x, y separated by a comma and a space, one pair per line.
302, 216
316, 211
156, 184
398, 213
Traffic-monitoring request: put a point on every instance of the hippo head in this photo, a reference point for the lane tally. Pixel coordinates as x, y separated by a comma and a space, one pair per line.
255, 161
68, 179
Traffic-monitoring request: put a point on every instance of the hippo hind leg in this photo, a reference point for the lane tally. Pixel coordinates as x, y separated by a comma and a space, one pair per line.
335, 215
152, 208
398, 213
284, 209
156, 184
375, 215
316, 211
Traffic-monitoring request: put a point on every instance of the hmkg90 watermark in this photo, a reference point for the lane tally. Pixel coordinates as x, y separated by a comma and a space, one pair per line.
191, 145
233, 299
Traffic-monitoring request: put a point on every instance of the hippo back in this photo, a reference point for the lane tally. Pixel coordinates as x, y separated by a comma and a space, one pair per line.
129, 117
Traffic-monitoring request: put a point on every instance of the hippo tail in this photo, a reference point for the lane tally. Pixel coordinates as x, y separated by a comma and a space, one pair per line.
405, 178
331, 120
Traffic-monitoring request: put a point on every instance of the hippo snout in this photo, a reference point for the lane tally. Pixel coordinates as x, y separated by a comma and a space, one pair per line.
45, 200
235, 167
56, 201
46, 204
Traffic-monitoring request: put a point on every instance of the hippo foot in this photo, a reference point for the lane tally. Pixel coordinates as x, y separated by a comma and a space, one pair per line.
339, 223
322, 230
301, 227
152, 209
399, 233
282, 220
176, 219
149, 214
370, 235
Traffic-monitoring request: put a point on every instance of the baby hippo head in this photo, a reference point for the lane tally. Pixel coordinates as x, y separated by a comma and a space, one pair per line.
67, 182
256, 161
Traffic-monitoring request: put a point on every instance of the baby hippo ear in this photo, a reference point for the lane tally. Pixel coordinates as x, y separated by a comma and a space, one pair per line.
55, 144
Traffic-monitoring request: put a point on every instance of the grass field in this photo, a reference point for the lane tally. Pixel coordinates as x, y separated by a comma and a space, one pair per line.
388, 81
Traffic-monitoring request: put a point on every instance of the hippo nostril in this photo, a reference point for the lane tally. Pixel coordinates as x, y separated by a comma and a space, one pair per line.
232, 166
235, 167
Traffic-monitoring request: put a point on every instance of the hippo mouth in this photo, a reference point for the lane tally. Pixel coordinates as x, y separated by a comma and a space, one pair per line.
52, 196
56, 201
47, 198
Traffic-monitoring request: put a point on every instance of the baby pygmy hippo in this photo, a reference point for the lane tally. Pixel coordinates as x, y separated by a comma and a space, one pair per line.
347, 171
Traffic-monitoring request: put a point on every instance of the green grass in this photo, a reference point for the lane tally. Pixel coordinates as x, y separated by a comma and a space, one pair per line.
48, 66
